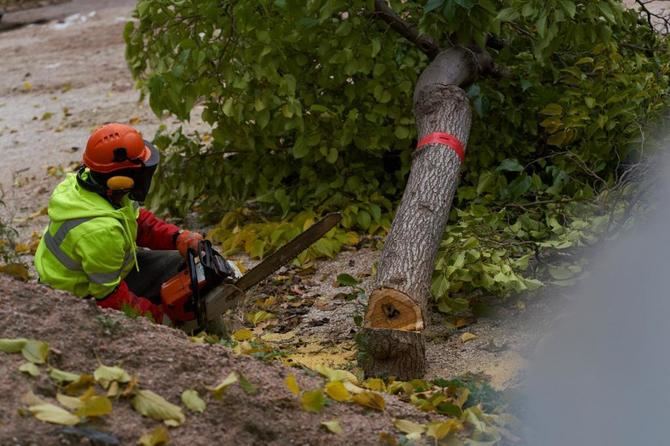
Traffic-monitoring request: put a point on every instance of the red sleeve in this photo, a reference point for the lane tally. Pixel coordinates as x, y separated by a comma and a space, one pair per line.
123, 299
154, 233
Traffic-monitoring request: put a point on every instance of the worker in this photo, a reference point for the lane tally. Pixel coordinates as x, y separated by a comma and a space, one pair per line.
90, 247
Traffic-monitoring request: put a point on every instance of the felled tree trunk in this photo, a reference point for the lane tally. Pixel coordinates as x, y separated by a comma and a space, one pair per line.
391, 341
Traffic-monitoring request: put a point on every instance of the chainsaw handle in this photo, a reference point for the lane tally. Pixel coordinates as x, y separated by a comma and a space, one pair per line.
199, 304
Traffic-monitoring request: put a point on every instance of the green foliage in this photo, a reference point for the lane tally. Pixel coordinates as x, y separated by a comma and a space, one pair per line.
310, 111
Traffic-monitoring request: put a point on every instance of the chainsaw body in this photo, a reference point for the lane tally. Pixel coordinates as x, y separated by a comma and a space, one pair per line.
183, 295
209, 286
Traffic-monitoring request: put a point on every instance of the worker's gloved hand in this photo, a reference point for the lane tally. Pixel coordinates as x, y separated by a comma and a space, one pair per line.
186, 240
123, 299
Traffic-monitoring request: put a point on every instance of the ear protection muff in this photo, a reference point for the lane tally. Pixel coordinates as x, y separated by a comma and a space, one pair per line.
117, 183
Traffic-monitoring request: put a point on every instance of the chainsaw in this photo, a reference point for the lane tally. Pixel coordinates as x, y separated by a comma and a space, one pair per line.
210, 285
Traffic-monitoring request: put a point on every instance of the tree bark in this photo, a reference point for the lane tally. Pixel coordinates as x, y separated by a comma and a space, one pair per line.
391, 341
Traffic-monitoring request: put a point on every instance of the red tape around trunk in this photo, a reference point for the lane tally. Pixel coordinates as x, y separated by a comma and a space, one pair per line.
446, 139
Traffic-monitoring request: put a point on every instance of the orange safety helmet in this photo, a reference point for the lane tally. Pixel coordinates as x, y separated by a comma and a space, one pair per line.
113, 147
120, 161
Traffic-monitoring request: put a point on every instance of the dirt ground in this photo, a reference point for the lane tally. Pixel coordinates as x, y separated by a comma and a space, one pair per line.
61, 78
82, 336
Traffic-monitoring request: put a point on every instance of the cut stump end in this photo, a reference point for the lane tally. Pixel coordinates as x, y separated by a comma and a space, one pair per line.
392, 309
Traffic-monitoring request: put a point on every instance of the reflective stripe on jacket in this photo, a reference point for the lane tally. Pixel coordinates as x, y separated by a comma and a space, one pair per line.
89, 246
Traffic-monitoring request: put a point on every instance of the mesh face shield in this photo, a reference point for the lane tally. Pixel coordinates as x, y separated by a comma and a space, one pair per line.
142, 176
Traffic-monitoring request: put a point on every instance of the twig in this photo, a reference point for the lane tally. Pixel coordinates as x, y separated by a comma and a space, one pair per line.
661, 19
424, 43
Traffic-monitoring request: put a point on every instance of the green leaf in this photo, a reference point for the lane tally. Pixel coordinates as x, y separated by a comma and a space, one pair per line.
35, 351
192, 401
246, 385
569, 7
364, 219
345, 279
12, 345
606, 10
507, 15
300, 149
510, 165
432, 5
62, 377
552, 110
29, 368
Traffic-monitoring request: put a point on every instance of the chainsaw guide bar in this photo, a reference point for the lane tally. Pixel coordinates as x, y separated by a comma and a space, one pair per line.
228, 295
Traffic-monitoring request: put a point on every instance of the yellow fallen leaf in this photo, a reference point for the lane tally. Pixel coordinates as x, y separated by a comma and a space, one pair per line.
387, 439
353, 388
467, 336
16, 270
84, 382
157, 437
370, 399
27, 86
35, 351
22, 248
62, 377
29, 368
104, 375
70, 402
192, 400
292, 384
374, 384
134, 120
131, 388
197, 339
243, 334
313, 400
12, 345
96, 406
337, 391
336, 375
155, 406
333, 426
278, 337
258, 317
218, 390
409, 427
439, 430
113, 390
30, 399
53, 414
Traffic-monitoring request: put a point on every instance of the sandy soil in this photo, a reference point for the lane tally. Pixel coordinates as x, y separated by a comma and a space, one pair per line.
60, 79
82, 336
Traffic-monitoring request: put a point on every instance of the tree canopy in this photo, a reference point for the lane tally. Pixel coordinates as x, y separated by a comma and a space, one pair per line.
310, 110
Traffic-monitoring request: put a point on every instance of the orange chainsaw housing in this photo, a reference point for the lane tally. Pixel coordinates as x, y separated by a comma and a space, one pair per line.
175, 296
